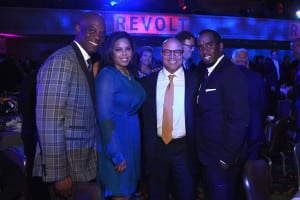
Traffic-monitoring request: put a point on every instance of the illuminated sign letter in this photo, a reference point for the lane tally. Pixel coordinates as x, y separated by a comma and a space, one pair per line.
151, 24
133, 21
171, 25
183, 20
146, 24
120, 23
163, 24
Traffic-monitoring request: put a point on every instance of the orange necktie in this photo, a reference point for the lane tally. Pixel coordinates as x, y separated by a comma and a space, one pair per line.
167, 122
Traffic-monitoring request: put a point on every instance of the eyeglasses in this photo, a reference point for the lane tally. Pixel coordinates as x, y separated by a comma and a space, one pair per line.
168, 52
93, 31
207, 46
191, 47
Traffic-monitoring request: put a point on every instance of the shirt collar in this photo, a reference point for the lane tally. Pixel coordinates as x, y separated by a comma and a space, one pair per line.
211, 68
178, 73
85, 55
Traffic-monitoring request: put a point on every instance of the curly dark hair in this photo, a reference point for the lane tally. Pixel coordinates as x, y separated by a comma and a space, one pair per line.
107, 55
183, 35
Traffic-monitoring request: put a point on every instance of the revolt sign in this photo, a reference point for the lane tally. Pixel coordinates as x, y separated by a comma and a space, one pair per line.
151, 24
294, 30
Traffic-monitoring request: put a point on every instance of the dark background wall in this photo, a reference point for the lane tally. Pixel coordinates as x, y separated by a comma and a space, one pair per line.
33, 45
255, 8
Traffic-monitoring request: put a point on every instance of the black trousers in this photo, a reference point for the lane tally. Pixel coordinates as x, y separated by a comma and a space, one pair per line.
171, 174
220, 183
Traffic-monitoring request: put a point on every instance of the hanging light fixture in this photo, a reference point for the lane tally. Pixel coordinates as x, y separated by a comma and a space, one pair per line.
182, 4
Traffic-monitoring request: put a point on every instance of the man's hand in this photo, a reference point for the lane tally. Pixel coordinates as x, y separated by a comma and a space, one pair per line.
224, 165
63, 187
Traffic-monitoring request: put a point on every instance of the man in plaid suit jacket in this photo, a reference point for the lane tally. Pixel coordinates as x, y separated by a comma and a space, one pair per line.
65, 112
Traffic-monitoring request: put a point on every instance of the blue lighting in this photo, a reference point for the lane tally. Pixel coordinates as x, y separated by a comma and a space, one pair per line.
113, 3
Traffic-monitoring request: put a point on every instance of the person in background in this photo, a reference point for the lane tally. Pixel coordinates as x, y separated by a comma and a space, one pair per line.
146, 63
36, 189
188, 41
222, 117
258, 65
272, 78
119, 97
295, 47
169, 162
286, 78
66, 155
257, 101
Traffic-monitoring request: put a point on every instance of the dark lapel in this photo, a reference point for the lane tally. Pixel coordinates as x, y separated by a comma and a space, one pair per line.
153, 83
213, 74
89, 75
190, 86
188, 90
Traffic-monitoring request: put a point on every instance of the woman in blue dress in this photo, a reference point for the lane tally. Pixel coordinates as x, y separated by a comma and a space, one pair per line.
119, 96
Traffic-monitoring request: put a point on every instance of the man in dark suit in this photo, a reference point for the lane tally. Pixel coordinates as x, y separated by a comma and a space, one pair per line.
169, 166
222, 119
272, 77
295, 47
66, 156
257, 103
188, 41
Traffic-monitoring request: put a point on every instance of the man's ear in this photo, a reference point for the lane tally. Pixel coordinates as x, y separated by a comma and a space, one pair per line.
221, 46
77, 28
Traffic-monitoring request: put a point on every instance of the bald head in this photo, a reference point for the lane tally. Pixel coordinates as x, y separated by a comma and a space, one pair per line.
90, 16
172, 50
90, 31
171, 40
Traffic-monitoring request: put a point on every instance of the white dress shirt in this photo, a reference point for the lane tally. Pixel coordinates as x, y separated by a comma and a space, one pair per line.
211, 68
277, 67
178, 105
84, 53
209, 71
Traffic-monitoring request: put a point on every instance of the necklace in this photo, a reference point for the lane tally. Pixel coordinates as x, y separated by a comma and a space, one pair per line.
125, 73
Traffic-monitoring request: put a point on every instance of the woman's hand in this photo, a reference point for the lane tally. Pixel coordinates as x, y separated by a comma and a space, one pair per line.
121, 168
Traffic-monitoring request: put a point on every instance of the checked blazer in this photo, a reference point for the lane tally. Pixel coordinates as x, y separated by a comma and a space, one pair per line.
66, 118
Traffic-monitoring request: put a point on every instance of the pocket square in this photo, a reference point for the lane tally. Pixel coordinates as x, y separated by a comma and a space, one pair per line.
210, 90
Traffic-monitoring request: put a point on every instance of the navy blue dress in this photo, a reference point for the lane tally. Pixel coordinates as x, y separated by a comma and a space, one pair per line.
118, 101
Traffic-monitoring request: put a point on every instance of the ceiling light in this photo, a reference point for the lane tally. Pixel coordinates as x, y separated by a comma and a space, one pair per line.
298, 13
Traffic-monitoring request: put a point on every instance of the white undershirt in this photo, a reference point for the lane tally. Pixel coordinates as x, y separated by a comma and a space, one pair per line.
276, 63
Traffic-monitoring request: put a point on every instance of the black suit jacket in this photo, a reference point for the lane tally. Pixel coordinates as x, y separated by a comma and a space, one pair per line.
222, 115
258, 104
271, 74
149, 119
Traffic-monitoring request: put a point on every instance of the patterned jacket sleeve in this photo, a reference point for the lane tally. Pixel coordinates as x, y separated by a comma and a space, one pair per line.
52, 90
